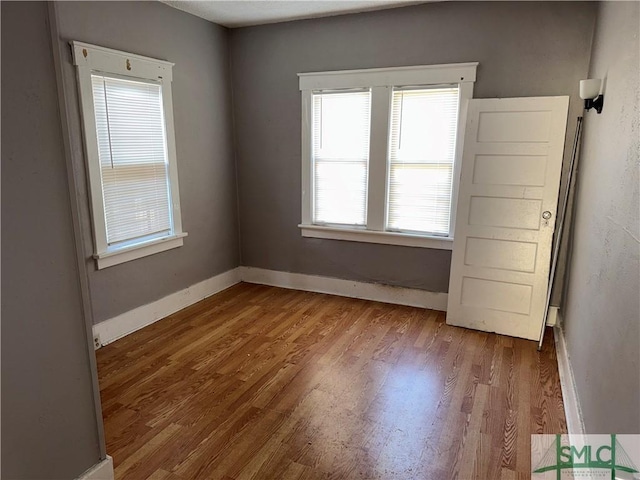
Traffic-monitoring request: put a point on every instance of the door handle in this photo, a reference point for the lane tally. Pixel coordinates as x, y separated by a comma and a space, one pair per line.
546, 214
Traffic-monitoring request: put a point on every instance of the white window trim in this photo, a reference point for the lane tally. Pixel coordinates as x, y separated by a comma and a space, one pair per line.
370, 236
91, 58
381, 81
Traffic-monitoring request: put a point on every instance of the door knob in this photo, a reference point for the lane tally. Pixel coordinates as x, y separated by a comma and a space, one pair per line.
546, 214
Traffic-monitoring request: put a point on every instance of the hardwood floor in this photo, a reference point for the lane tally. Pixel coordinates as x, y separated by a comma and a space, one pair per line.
265, 383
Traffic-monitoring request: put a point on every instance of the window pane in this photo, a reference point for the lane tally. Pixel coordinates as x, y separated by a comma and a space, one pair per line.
340, 152
133, 158
422, 151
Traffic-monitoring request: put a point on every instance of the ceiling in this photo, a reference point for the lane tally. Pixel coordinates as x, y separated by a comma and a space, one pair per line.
243, 13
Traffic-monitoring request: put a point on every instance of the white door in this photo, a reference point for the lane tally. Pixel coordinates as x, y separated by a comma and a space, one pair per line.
506, 214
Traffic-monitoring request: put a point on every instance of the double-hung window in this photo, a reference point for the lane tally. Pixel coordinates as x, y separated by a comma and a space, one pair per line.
130, 152
381, 151
341, 156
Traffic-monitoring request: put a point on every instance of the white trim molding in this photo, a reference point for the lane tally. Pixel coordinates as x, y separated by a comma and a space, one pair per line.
381, 83
346, 288
370, 236
100, 471
552, 316
133, 320
123, 63
573, 413
383, 77
114, 64
114, 257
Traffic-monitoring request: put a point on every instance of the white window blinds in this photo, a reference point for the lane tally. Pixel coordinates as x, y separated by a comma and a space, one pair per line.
133, 158
422, 150
340, 156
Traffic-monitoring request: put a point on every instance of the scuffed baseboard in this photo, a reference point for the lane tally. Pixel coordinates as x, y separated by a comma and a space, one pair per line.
133, 320
346, 288
573, 413
100, 471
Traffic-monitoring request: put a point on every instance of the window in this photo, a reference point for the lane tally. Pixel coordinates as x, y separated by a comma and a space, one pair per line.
340, 157
424, 123
381, 151
130, 149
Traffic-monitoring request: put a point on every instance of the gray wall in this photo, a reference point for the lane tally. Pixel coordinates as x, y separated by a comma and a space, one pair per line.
203, 125
524, 49
49, 426
602, 313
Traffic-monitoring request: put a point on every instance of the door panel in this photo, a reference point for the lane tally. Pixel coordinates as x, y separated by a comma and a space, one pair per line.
510, 175
501, 254
519, 170
496, 295
505, 212
513, 127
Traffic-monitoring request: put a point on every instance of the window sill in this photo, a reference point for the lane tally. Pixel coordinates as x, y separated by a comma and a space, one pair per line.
370, 236
139, 250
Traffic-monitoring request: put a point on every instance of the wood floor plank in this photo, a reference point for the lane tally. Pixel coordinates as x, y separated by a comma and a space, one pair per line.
145, 456
163, 475
470, 447
260, 383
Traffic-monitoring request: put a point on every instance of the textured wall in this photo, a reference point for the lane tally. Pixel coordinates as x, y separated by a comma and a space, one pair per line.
49, 426
524, 49
203, 126
602, 313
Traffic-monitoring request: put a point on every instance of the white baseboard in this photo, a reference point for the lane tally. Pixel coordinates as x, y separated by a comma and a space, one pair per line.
128, 322
346, 288
100, 471
575, 423
552, 318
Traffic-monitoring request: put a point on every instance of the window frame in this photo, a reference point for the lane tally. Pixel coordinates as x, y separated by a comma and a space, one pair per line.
381, 81
89, 59
314, 159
